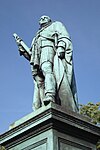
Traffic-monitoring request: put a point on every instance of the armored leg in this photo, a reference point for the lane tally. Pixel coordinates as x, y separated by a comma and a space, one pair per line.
50, 84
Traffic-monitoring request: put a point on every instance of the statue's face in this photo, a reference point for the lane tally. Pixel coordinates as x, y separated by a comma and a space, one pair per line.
44, 20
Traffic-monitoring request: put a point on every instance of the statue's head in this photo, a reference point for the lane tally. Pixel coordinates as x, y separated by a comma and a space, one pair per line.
44, 20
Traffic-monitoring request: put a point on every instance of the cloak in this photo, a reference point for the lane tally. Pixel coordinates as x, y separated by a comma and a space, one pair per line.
66, 90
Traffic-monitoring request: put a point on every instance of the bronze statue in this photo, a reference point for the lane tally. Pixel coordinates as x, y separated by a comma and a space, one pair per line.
50, 57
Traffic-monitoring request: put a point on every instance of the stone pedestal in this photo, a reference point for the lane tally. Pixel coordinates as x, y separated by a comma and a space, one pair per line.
51, 128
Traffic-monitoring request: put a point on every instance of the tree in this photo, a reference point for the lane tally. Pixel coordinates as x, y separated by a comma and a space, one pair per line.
2, 148
92, 111
98, 145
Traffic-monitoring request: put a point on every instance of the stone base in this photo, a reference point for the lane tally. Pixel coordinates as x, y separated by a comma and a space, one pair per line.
51, 128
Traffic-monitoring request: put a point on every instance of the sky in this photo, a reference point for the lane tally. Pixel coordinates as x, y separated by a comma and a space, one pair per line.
82, 20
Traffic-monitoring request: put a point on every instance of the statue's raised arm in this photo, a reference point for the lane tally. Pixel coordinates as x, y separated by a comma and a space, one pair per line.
23, 49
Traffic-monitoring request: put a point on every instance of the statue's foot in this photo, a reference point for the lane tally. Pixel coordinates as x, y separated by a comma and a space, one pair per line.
47, 100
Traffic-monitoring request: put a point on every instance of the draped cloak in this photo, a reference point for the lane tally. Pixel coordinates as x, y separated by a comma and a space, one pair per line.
66, 90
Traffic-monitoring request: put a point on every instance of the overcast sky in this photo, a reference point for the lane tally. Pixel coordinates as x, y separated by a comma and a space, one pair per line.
82, 20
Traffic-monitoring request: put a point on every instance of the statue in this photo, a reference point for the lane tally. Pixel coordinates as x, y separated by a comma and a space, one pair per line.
50, 58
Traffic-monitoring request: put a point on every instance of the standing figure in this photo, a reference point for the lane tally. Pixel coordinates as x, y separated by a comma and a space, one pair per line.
50, 57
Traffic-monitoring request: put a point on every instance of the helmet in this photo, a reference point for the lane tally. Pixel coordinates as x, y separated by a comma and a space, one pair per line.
44, 20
